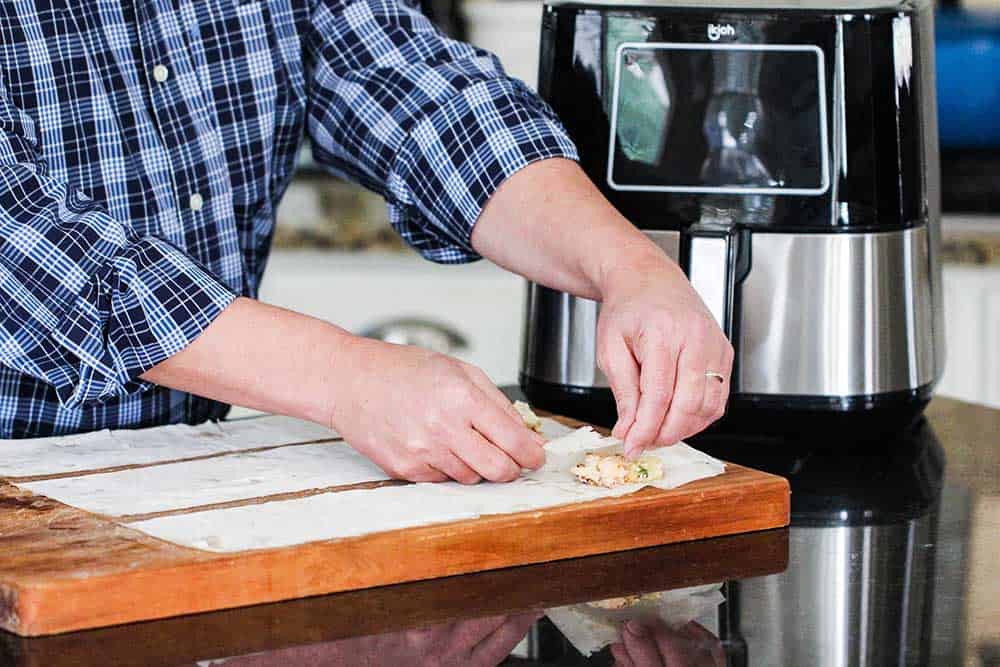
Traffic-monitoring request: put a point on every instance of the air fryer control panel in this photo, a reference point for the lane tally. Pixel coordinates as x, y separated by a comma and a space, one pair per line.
755, 138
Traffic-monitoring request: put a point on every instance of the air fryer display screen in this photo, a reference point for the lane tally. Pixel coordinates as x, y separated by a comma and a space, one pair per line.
723, 118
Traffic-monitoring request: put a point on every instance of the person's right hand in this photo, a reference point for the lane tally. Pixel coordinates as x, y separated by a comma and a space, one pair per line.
425, 417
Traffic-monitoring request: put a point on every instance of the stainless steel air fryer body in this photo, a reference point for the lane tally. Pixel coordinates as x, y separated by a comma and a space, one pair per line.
786, 155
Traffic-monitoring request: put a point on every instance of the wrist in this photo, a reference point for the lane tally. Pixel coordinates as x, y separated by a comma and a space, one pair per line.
335, 360
633, 263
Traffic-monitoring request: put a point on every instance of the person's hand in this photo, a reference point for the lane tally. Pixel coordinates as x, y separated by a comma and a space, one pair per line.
483, 642
653, 644
426, 417
655, 342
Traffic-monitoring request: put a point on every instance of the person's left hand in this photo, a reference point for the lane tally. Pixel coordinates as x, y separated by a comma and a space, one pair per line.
655, 342
653, 644
480, 642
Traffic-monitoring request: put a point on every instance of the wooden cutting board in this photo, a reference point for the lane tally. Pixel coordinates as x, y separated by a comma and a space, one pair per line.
64, 569
186, 640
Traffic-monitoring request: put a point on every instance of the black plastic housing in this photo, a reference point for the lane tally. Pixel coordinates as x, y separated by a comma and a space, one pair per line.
877, 108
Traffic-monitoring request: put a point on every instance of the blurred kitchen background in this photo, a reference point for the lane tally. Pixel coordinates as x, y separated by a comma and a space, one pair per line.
336, 257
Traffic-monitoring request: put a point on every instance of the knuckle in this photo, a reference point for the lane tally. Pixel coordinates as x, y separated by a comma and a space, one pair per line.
511, 472
435, 422
667, 437
501, 472
410, 471
703, 327
459, 394
641, 434
494, 473
668, 327
688, 403
535, 458
469, 478
417, 449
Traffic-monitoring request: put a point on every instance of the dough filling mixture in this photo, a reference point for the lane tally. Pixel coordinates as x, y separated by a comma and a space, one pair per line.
531, 420
611, 470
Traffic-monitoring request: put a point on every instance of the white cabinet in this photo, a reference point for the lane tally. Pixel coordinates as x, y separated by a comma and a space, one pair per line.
480, 303
972, 333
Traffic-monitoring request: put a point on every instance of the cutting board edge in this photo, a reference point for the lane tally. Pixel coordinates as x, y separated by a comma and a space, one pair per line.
48, 608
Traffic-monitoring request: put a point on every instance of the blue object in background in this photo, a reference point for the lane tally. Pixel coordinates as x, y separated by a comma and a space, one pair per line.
968, 78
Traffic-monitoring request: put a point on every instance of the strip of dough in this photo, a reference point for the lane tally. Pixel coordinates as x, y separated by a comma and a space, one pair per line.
108, 449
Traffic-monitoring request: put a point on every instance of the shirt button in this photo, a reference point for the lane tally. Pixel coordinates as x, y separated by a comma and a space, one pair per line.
196, 202
161, 73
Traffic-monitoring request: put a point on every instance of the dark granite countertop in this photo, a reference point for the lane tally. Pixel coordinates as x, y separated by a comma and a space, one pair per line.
890, 559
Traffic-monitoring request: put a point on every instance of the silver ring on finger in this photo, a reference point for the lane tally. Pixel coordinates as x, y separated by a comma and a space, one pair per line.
716, 376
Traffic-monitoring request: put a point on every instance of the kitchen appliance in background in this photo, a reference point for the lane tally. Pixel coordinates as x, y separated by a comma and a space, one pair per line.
860, 588
786, 154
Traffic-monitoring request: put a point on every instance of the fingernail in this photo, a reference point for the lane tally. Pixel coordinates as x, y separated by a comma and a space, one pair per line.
636, 628
539, 439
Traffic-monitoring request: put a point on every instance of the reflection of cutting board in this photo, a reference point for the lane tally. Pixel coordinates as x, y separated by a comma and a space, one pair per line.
64, 569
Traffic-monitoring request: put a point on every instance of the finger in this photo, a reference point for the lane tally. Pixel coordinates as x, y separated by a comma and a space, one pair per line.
621, 656
488, 460
716, 391
498, 645
685, 416
706, 641
419, 473
640, 645
696, 630
658, 361
455, 468
484, 383
517, 441
622, 371
470, 632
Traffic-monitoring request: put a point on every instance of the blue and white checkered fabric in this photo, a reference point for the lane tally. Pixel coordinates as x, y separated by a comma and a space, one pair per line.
144, 146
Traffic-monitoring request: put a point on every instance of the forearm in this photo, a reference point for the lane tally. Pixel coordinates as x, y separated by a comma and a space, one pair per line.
260, 357
550, 224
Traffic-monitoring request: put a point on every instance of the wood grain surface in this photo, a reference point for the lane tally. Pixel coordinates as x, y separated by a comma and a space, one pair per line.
63, 569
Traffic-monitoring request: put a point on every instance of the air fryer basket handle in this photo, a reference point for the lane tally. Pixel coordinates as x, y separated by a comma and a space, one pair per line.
710, 255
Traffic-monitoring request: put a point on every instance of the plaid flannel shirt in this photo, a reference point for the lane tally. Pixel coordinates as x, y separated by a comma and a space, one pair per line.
145, 144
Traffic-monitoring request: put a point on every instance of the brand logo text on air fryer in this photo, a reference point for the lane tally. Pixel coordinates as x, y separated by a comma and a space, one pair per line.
718, 30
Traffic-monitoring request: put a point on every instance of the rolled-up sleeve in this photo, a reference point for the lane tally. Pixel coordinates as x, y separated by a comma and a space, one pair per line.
432, 124
87, 305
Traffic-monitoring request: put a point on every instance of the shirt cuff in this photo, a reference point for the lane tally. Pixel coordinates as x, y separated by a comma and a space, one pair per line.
146, 303
456, 157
